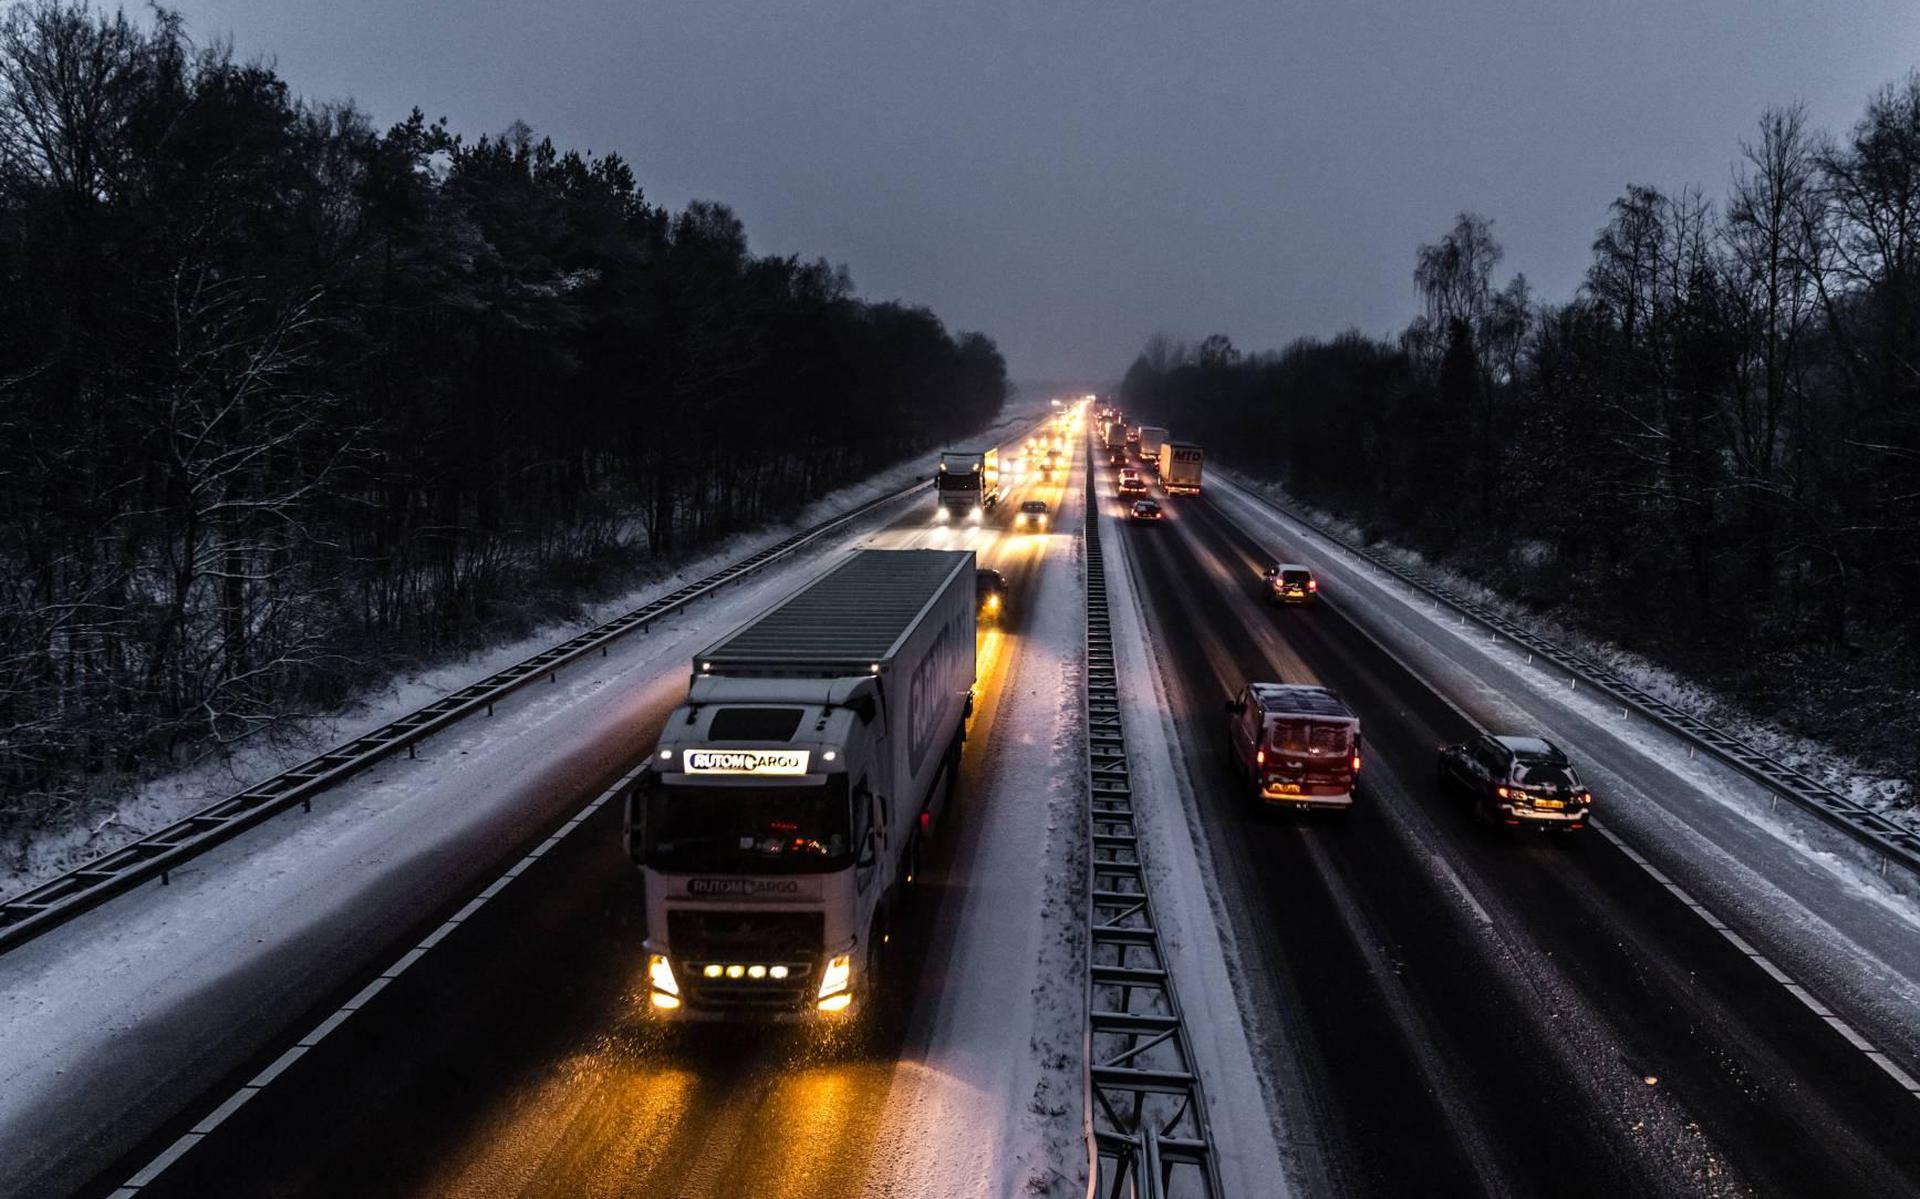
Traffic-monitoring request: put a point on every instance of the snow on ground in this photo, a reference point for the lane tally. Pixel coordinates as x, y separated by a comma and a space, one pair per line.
115, 1020
987, 1099
161, 801
1195, 928
1811, 897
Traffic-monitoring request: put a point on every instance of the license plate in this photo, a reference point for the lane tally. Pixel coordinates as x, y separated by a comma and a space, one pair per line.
1551, 805
1287, 788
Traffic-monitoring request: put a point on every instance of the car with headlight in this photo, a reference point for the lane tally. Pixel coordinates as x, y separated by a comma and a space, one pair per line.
1291, 583
990, 590
1033, 515
1517, 780
1132, 485
1144, 512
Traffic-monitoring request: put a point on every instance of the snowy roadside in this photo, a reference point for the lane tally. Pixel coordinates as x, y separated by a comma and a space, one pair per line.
988, 1102
1812, 898
1892, 797
1191, 914
167, 798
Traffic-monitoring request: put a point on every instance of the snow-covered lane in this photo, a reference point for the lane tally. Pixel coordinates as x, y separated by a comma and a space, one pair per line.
995, 1048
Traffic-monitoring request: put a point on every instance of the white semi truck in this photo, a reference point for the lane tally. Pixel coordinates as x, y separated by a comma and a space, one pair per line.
1180, 463
1152, 437
967, 486
780, 818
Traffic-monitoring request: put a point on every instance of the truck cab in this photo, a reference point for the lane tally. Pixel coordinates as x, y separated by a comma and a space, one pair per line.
760, 834
779, 820
966, 486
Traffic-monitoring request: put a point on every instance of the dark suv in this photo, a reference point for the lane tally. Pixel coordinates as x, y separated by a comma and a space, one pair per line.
1517, 780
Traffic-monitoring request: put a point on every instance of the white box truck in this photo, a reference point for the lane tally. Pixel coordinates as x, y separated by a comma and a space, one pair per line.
967, 485
1180, 463
1152, 437
779, 820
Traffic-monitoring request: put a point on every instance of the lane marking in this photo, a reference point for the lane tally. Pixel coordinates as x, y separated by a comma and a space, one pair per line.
1808, 999
1460, 888
159, 1165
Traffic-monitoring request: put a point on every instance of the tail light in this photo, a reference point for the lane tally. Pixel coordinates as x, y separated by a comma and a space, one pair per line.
1259, 757
1502, 792
1313, 584
1356, 762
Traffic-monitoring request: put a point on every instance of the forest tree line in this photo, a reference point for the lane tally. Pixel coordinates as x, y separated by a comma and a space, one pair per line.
1710, 454
287, 401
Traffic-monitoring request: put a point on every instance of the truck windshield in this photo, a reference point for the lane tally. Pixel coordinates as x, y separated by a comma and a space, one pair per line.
749, 830
959, 480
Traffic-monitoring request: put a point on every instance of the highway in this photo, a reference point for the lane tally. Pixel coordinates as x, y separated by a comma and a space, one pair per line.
1456, 1010
1432, 1006
517, 1059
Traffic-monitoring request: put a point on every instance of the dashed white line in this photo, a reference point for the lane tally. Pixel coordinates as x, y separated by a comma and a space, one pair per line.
259, 1082
1808, 999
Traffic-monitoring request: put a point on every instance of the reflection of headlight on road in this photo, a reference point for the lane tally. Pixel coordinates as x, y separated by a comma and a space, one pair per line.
976, 514
941, 514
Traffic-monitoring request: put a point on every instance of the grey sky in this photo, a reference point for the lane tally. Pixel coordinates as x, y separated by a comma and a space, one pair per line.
1072, 175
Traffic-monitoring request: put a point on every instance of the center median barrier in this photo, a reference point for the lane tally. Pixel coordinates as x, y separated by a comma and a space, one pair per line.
1146, 1117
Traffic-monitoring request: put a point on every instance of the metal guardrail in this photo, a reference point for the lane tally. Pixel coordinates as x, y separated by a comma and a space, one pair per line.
47, 906
1146, 1117
1894, 842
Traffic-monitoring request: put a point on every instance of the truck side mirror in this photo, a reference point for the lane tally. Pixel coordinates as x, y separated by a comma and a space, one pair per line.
637, 816
869, 854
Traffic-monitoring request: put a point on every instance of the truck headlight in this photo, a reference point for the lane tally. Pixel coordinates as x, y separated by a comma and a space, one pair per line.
838, 976
976, 514
665, 992
940, 513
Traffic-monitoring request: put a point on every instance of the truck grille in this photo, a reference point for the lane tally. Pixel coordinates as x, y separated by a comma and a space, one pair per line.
793, 941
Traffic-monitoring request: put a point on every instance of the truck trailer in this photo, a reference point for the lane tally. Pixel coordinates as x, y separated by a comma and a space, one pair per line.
1114, 435
1180, 463
779, 821
1152, 437
967, 485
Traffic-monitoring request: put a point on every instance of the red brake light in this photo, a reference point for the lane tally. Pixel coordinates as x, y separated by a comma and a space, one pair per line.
1313, 584
1356, 761
1501, 792
1259, 757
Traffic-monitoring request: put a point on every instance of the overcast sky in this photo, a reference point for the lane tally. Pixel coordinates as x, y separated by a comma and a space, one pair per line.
1072, 175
